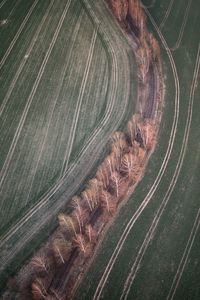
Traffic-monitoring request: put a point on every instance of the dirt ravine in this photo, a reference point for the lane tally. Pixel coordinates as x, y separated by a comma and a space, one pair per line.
57, 269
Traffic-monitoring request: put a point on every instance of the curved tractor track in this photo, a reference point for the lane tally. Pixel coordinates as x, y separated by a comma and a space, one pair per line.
155, 185
136, 269
38, 217
152, 229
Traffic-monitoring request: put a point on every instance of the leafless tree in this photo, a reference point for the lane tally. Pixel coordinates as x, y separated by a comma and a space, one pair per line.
38, 289
108, 202
115, 183
102, 175
68, 223
76, 203
55, 295
40, 262
120, 9
128, 163
154, 47
119, 139
95, 185
89, 196
79, 213
111, 164
131, 128
141, 155
143, 60
91, 233
81, 243
61, 250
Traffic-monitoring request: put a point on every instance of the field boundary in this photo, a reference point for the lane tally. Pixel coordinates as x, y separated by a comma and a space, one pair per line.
150, 194
151, 231
18, 227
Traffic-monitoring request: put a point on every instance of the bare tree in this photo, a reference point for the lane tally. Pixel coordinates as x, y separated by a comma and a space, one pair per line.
79, 213
111, 164
38, 289
131, 128
128, 164
95, 185
40, 262
120, 9
76, 203
91, 233
89, 196
150, 134
102, 175
141, 155
55, 295
141, 132
135, 148
143, 60
155, 47
68, 224
61, 250
115, 183
119, 139
80, 241
108, 202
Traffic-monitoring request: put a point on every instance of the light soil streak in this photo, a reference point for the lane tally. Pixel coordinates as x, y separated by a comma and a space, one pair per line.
166, 14
3, 60
152, 229
56, 99
176, 46
79, 102
184, 258
155, 185
23, 62
2, 4
31, 96
13, 9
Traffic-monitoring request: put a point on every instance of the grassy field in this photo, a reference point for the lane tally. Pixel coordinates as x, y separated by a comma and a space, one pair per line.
64, 88
151, 251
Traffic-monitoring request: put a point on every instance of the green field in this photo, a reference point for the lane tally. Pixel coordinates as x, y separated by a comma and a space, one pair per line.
67, 81
151, 251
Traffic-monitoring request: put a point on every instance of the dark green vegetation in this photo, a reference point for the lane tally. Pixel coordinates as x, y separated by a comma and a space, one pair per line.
64, 88
151, 250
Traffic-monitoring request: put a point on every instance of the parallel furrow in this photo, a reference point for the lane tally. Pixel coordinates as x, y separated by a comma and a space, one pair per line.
152, 229
155, 185
56, 99
2, 3
31, 96
23, 62
3, 60
79, 102
166, 14
184, 258
180, 36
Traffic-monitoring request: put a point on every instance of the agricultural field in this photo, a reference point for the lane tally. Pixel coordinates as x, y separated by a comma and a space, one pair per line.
67, 81
151, 250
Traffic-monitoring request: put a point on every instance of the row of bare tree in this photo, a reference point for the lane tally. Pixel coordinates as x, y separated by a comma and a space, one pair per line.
121, 168
131, 13
78, 230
